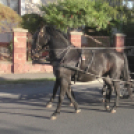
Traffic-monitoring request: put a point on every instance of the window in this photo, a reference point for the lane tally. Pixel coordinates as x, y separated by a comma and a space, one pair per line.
14, 4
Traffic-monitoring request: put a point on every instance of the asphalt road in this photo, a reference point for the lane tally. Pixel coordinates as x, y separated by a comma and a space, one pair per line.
22, 111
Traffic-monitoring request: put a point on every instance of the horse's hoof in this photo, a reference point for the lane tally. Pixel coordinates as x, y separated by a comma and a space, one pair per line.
71, 104
107, 108
113, 111
49, 105
53, 118
78, 111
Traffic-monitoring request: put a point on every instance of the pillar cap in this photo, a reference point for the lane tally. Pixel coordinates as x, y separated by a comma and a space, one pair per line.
20, 30
120, 34
76, 33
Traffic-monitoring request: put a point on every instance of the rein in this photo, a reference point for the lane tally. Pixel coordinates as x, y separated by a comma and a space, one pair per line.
90, 63
80, 64
68, 49
96, 76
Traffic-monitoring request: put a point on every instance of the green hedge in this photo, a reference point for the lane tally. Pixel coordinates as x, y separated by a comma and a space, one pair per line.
32, 22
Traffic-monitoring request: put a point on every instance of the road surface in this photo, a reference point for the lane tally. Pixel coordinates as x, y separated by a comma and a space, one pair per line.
23, 111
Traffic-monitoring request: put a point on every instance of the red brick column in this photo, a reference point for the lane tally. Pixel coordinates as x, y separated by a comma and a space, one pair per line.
19, 48
75, 38
119, 40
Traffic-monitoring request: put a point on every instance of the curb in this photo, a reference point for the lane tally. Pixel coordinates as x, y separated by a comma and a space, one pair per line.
38, 83
22, 85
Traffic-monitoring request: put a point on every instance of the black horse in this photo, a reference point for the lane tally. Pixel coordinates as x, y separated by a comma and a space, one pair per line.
65, 59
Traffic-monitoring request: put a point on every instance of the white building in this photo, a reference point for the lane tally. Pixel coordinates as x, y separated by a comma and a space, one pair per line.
25, 6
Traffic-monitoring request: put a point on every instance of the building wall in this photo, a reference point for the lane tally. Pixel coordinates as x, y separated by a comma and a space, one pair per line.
14, 4
6, 37
22, 7
31, 6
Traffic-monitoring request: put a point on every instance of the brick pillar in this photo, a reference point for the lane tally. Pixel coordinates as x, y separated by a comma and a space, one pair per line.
75, 38
19, 50
119, 40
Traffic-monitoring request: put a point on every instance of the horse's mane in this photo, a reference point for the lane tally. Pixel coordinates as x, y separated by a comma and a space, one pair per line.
52, 31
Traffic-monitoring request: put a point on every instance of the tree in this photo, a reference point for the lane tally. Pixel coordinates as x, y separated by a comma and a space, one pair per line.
113, 3
128, 26
8, 19
75, 13
31, 22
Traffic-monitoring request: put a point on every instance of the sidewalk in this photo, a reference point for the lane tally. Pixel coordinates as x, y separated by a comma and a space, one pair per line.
30, 76
14, 91
37, 76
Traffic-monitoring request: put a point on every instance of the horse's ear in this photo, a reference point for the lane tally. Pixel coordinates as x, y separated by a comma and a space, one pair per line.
42, 29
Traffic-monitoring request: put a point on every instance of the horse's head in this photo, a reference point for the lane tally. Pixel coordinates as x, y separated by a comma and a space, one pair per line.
52, 38
39, 43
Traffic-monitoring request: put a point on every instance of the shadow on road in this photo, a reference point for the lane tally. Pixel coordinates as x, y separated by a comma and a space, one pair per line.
88, 99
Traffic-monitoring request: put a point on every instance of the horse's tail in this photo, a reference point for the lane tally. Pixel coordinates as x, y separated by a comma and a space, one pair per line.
126, 75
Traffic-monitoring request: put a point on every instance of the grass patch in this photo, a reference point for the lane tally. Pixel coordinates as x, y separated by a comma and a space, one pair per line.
25, 81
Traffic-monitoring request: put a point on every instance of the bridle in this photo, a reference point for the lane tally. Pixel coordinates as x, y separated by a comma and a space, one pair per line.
39, 49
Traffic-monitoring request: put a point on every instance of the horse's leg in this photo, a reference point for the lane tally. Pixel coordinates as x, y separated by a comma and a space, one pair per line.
117, 90
108, 92
104, 92
130, 91
63, 91
115, 75
55, 89
72, 93
73, 102
129, 87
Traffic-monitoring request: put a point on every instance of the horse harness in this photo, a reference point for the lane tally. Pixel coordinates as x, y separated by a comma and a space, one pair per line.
80, 61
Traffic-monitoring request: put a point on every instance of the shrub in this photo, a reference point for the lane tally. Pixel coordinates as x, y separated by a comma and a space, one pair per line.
8, 19
31, 22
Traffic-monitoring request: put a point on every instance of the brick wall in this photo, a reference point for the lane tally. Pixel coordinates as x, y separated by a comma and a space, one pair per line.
6, 67
75, 38
20, 63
